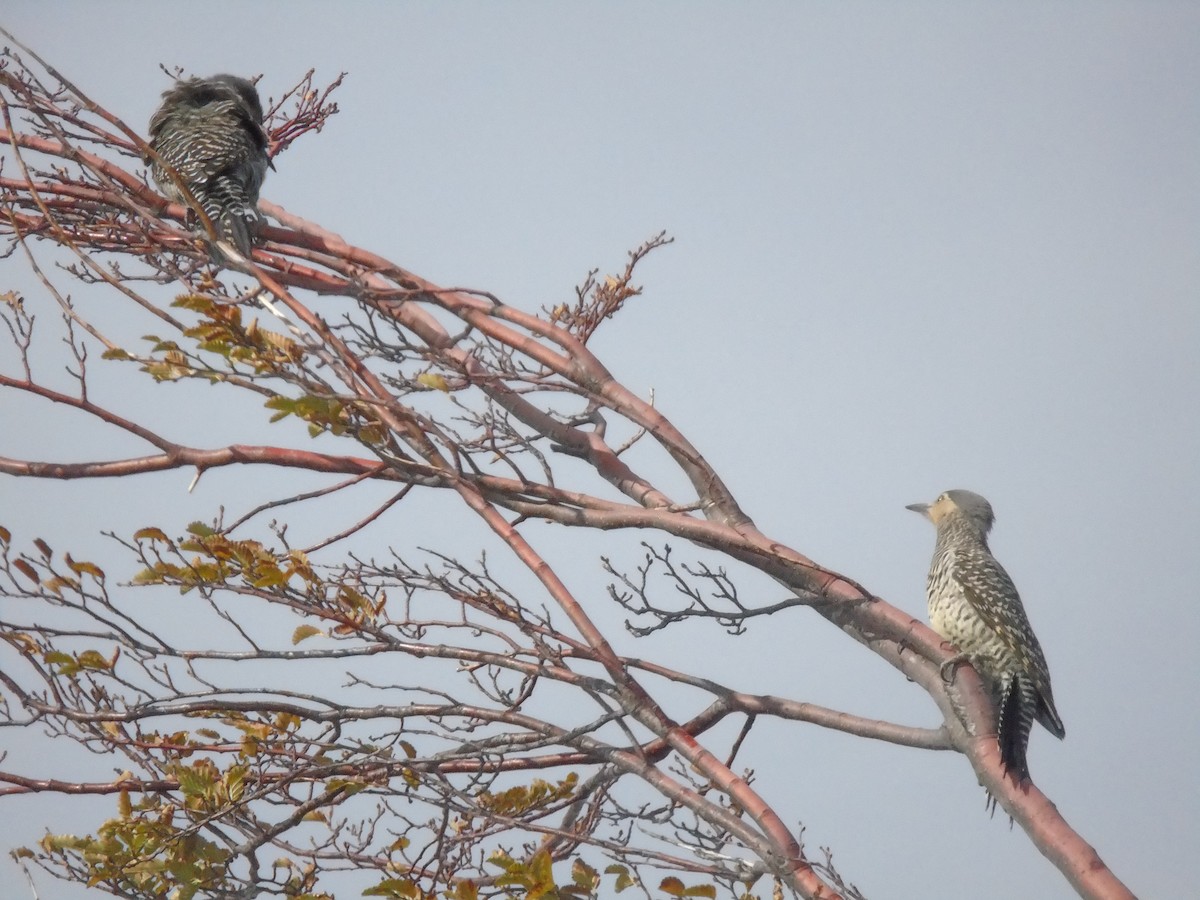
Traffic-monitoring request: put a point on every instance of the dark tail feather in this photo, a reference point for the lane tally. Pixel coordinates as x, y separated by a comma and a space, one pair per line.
1048, 716
235, 228
1017, 702
233, 216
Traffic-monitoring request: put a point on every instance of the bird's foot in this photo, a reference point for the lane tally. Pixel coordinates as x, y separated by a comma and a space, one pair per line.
950, 665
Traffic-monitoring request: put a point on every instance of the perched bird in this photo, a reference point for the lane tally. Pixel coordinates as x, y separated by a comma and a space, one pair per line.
975, 606
210, 131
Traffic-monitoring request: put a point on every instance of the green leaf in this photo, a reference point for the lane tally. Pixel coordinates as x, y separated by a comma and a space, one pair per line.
92, 659
66, 663
394, 887
348, 786
433, 380
584, 875
624, 878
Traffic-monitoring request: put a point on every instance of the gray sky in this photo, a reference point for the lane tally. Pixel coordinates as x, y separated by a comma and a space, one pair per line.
918, 246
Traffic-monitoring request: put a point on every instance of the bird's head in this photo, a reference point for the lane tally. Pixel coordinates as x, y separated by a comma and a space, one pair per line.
958, 503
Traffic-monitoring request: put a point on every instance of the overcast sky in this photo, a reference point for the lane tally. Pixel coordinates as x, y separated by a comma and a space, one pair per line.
918, 246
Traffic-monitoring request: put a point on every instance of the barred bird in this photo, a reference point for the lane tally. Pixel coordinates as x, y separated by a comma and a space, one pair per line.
210, 131
975, 606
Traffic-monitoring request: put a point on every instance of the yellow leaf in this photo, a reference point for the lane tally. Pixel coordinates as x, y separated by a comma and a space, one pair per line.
55, 585
304, 632
82, 567
287, 721
27, 644
151, 534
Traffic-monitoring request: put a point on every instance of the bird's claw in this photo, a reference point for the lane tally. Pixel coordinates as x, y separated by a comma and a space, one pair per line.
949, 666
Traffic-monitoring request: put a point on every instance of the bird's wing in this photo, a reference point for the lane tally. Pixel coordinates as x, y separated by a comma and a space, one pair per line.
994, 598
988, 589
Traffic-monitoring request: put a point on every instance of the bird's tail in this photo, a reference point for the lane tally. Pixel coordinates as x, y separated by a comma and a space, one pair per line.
1048, 715
1018, 700
235, 218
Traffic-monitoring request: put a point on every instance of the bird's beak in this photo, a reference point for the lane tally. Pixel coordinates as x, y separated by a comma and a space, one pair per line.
922, 508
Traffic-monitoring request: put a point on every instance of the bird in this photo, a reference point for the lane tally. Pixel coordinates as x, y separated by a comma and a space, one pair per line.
974, 605
210, 132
